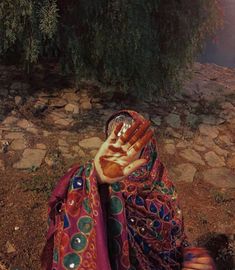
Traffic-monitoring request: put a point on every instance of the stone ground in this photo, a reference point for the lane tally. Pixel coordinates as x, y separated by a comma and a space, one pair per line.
44, 130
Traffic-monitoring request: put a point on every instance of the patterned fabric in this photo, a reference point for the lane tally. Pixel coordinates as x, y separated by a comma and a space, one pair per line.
132, 224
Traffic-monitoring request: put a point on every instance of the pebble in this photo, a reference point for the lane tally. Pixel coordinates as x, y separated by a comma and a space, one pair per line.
72, 108
10, 247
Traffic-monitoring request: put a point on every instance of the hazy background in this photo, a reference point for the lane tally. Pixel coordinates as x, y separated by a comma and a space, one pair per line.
222, 51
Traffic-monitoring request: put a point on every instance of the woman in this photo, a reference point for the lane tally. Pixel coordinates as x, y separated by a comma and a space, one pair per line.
120, 210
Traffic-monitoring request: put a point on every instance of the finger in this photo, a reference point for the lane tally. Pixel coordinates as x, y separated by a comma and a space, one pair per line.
134, 166
143, 141
137, 147
203, 260
127, 135
197, 266
139, 133
114, 134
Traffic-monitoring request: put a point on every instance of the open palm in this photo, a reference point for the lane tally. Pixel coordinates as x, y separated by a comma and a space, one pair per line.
118, 156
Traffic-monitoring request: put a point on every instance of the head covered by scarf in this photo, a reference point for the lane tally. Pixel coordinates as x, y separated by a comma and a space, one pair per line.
132, 224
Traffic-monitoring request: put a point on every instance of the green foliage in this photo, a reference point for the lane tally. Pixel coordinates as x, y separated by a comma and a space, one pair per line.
135, 45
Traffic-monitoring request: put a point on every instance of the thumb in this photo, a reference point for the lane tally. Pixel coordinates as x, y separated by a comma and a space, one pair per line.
134, 166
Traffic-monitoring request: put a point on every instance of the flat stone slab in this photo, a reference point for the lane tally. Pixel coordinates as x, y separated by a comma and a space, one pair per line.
184, 172
30, 158
192, 156
18, 144
208, 130
220, 177
173, 120
91, 143
170, 148
214, 160
14, 136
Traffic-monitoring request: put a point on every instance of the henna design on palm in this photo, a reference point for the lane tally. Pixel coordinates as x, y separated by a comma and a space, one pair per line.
118, 156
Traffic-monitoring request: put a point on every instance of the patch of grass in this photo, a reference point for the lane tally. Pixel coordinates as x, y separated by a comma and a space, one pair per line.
39, 184
206, 107
219, 197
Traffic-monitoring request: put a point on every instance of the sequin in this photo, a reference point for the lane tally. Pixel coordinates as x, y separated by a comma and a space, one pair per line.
77, 182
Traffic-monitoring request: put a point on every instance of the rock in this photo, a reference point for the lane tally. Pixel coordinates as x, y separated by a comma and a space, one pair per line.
32, 130
170, 132
156, 120
31, 158
46, 133
23, 123
220, 151
95, 100
18, 144
211, 120
170, 149
69, 156
78, 150
187, 134
10, 247
226, 139
71, 97
63, 142
63, 122
19, 86
58, 103
231, 162
213, 160
49, 161
208, 130
14, 136
85, 105
97, 106
205, 141
91, 143
228, 106
72, 108
199, 148
18, 100
183, 144
192, 120
184, 172
220, 177
64, 149
192, 156
41, 146
10, 120
173, 120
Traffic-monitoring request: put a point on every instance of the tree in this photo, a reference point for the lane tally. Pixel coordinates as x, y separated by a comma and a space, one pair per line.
141, 46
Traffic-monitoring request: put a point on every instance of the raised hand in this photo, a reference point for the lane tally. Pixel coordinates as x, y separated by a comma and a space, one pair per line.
197, 259
118, 156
